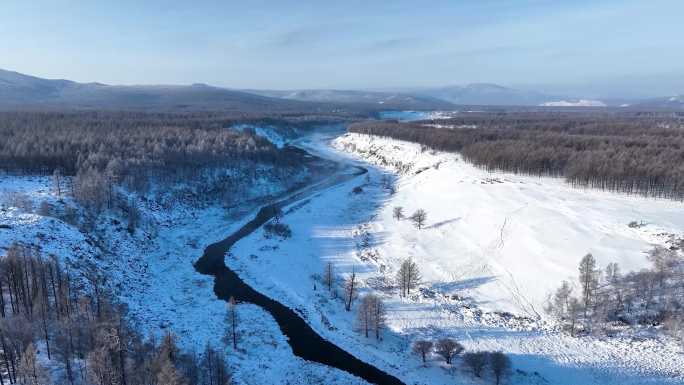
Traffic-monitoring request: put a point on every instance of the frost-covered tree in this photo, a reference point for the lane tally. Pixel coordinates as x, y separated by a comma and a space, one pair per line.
561, 300
588, 277
664, 261
574, 309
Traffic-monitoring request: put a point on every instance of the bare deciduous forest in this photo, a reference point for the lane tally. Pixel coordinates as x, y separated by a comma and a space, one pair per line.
105, 149
625, 152
82, 330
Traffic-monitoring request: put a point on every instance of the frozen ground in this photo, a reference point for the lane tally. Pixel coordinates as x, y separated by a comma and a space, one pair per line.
506, 240
407, 116
155, 277
493, 242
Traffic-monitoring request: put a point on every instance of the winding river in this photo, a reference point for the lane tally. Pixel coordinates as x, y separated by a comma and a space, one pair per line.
305, 342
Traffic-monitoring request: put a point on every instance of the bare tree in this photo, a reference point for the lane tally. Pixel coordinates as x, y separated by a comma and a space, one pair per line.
476, 362
448, 348
663, 261
588, 277
232, 322
500, 365
398, 213
168, 375
613, 278
423, 348
371, 315
329, 276
214, 368
364, 316
57, 181
379, 316
31, 372
419, 217
350, 290
408, 277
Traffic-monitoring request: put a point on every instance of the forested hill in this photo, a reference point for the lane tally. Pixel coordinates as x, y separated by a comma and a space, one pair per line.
133, 149
23, 91
629, 153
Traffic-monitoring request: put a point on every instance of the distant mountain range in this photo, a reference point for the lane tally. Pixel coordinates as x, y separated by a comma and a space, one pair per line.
385, 100
17, 89
668, 103
28, 91
488, 94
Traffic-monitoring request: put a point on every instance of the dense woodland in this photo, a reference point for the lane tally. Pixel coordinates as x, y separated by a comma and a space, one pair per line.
76, 326
629, 153
106, 149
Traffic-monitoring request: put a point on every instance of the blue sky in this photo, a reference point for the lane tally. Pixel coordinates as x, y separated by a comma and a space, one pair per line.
599, 47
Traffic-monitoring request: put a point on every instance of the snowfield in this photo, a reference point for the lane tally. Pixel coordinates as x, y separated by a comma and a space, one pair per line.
575, 103
152, 273
494, 247
506, 240
494, 242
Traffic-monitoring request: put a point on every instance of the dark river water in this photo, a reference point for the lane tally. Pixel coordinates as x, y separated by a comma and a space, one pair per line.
305, 342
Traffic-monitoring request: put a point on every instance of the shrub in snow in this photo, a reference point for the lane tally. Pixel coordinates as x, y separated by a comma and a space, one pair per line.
277, 229
635, 224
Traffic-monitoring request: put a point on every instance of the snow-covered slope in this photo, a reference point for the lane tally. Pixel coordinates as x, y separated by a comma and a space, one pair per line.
492, 242
504, 239
489, 243
575, 103
152, 272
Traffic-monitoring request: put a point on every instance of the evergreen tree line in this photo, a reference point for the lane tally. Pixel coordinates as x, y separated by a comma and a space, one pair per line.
601, 300
625, 153
78, 327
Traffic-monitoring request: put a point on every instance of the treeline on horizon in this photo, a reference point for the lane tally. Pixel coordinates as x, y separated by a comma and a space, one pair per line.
631, 153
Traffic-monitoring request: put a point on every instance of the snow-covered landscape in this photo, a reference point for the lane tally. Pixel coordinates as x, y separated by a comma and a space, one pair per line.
331, 193
494, 247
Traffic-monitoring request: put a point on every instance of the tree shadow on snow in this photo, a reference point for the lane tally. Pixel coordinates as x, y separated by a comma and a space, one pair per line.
466, 284
442, 223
